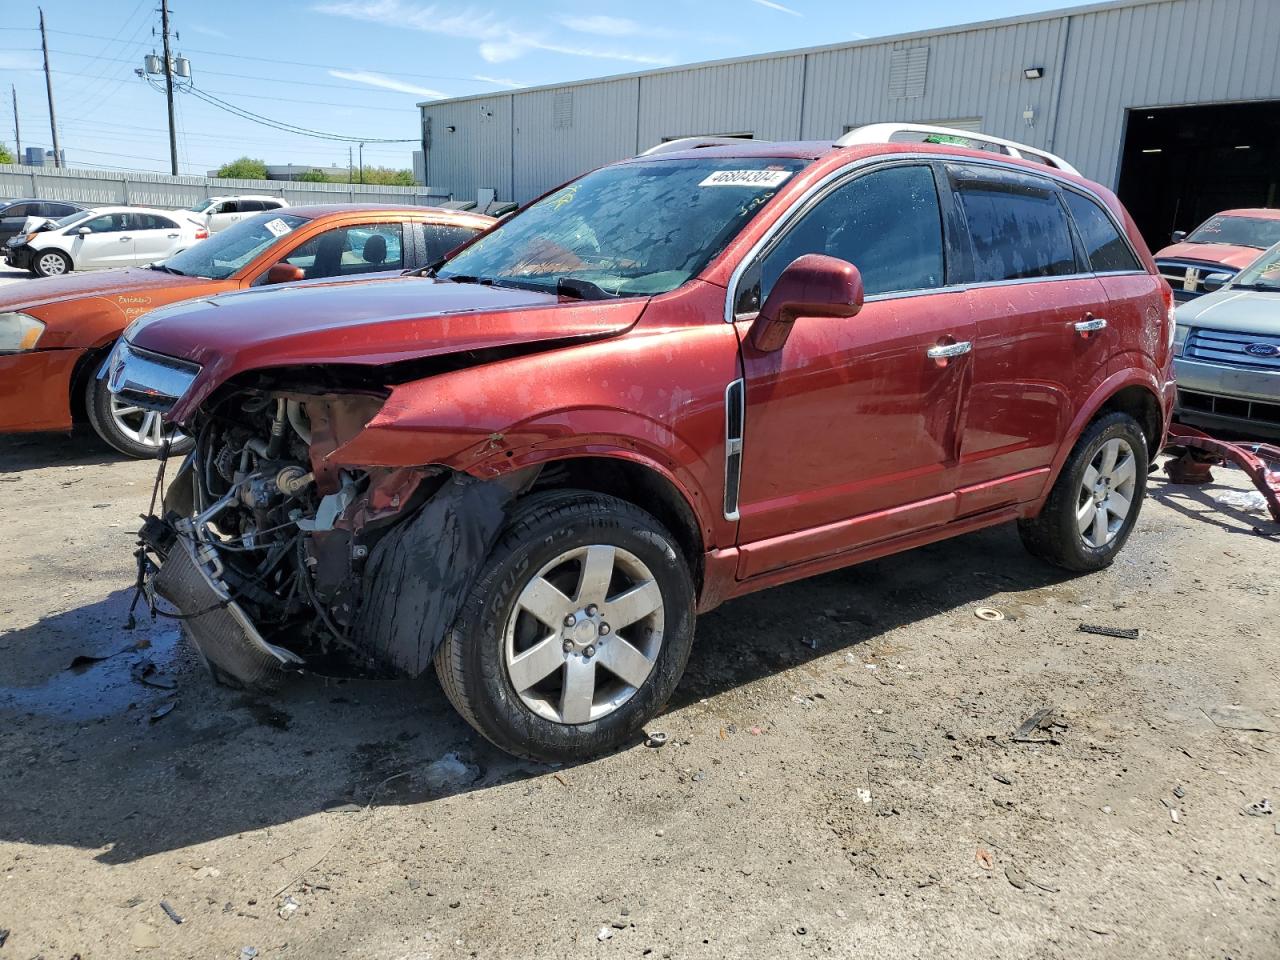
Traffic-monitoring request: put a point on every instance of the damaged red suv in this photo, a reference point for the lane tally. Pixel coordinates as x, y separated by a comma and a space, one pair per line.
707, 370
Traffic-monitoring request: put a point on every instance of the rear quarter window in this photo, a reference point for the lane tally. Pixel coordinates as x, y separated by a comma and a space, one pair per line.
442, 239
1105, 247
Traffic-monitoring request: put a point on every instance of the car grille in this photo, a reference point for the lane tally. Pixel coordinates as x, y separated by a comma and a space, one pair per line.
1187, 277
1257, 351
1191, 401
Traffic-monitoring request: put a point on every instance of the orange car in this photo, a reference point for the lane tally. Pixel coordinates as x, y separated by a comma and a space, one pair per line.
55, 333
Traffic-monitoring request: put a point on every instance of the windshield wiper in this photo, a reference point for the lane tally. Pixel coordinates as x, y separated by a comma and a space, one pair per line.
167, 269
582, 289
467, 278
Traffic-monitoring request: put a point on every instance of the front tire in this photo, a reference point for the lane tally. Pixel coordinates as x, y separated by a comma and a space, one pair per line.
576, 631
130, 429
51, 263
1096, 500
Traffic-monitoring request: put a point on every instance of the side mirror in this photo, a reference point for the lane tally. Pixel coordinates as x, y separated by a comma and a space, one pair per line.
284, 272
1178, 236
1216, 281
84, 231
813, 285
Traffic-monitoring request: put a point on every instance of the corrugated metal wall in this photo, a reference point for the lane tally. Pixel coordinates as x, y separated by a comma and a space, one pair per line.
1098, 62
161, 190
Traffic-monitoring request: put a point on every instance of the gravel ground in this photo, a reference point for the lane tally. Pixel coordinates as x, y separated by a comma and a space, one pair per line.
841, 777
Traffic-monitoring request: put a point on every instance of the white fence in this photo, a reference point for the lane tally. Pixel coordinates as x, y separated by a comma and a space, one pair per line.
103, 188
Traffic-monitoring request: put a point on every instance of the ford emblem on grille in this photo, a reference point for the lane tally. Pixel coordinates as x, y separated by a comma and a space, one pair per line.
1263, 350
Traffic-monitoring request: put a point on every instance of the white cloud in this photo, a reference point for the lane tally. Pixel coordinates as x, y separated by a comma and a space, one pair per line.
500, 81
779, 7
385, 82
605, 26
209, 31
19, 61
498, 40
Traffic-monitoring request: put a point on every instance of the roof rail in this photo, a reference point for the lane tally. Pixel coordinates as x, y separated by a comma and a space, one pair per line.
694, 143
922, 133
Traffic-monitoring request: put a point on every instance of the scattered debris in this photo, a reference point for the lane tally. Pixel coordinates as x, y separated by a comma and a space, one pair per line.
4, 935
1246, 501
1001, 778
864, 794
1022, 881
288, 908
171, 913
162, 711
1260, 809
989, 614
1120, 633
1173, 814
207, 873
145, 671
985, 860
1232, 716
699, 776
450, 773
603, 934
1178, 791
248, 953
656, 739
564, 781
1040, 720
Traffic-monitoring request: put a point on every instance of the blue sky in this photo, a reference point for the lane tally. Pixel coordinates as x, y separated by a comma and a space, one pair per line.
357, 67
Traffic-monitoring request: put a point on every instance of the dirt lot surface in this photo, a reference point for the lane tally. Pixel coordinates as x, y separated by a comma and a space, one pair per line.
841, 778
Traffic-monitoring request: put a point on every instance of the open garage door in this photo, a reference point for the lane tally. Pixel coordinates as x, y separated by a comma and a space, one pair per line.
1182, 164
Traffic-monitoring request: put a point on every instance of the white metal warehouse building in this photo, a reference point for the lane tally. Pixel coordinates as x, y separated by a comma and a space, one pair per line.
1174, 103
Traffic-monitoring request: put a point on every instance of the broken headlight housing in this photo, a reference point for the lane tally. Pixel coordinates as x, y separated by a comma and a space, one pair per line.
19, 332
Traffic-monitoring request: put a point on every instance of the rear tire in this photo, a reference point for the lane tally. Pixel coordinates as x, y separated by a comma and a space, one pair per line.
130, 430
548, 690
51, 263
1096, 500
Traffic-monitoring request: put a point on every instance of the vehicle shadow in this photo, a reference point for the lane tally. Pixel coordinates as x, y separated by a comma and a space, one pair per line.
93, 759
31, 451
1200, 502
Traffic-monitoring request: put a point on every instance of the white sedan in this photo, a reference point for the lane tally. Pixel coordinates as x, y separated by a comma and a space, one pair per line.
105, 237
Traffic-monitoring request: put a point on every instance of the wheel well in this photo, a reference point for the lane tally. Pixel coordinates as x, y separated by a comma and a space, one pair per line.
85, 368
637, 484
1141, 404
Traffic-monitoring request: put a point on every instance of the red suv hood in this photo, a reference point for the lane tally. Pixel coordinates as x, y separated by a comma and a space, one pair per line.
1229, 255
367, 323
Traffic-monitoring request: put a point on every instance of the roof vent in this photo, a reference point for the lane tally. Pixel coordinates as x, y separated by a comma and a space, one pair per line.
908, 70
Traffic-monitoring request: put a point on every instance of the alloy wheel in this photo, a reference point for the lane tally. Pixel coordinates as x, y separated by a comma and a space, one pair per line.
584, 634
143, 426
52, 264
1106, 493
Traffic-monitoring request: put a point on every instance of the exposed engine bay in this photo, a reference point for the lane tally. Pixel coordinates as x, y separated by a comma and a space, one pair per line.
277, 559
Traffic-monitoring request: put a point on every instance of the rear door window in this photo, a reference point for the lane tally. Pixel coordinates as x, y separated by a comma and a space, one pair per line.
1103, 244
887, 223
442, 239
249, 206
1017, 225
367, 248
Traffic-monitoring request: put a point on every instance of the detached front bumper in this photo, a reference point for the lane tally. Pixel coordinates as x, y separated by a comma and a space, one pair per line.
35, 390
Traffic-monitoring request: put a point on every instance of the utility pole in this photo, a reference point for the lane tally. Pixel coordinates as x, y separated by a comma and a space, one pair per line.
17, 133
48, 82
350, 171
168, 86
362, 163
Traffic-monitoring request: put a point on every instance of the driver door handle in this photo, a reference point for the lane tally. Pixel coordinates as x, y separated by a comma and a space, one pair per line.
125, 239
945, 351
174, 236
1090, 324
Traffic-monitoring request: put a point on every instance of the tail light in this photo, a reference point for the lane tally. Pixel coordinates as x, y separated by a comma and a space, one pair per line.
1170, 319
202, 234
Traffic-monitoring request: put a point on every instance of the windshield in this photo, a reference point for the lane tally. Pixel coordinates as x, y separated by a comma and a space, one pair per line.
626, 230
199, 207
224, 253
71, 218
1237, 231
1262, 274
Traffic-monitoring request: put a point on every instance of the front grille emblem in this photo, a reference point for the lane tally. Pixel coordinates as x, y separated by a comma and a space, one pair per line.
1263, 350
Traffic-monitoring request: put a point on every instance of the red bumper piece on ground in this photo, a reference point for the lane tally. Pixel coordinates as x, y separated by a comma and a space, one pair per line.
1261, 461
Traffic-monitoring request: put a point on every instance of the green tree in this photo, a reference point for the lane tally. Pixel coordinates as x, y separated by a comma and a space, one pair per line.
312, 176
246, 168
5, 155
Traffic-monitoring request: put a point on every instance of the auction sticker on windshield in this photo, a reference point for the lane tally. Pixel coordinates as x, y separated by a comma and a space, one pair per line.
278, 227
763, 179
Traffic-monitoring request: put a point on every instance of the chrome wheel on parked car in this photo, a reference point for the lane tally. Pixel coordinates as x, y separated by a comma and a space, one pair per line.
144, 427
1106, 493
584, 634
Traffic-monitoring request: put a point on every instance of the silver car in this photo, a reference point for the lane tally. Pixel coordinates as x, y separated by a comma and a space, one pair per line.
1227, 351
